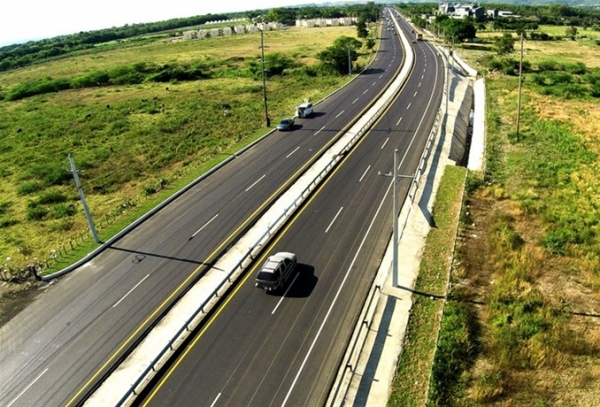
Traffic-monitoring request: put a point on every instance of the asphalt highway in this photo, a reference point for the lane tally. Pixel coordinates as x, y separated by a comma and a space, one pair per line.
261, 349
56, 350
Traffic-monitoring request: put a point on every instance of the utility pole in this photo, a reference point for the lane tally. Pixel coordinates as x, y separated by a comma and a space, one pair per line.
262, 58
520, 82
395, 205
83, 202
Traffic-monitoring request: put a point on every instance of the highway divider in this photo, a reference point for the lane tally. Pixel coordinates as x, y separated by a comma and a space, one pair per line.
129, 379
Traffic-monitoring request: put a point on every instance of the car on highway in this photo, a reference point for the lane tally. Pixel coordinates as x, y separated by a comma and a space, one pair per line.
276, 271
286, 124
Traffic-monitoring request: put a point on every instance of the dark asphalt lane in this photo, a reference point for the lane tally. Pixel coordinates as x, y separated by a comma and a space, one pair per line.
56, 349
276, 350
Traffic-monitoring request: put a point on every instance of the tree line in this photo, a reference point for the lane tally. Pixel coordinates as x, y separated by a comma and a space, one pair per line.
530, 18
20, 55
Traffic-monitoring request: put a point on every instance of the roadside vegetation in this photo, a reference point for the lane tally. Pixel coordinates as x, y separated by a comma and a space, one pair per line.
141, 122
415, 363
521, 324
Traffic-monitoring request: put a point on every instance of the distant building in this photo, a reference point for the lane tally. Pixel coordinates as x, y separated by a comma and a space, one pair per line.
263, 26
189, 35
462, 10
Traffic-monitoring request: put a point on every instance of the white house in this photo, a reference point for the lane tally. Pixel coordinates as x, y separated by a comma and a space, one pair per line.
189, 35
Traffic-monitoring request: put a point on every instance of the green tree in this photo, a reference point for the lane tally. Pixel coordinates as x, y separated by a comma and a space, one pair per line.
571, 32
459, 30
505, 44
281, 15
336, 56
361, 28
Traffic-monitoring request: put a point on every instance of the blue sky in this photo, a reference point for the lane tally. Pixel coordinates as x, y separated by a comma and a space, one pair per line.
22, 20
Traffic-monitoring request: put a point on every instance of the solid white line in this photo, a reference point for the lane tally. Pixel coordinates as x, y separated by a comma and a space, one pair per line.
398, 122
318, 131
215, 401
285, 293
27, 388
364, 173
408, 107
355, 100
205, 225
290, 154
385, 142
130, 291
256, 182
333, 220
335, 299
340, 113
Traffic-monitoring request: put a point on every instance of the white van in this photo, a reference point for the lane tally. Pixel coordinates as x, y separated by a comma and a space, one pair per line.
304, 110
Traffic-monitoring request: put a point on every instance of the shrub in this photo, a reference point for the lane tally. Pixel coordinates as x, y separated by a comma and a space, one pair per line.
4, 205
51, 173
97, 78
62, 225
150, 189
125, 75
35, 212
28, 187
549, 66
63, 210
170, 73
37, 87
51, 196
595, 90
276, 63
577, 68
6, 222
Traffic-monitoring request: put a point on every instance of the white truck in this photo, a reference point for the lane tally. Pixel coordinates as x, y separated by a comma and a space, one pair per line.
305, 109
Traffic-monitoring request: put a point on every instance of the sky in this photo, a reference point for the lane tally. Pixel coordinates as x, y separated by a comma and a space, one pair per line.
22, 20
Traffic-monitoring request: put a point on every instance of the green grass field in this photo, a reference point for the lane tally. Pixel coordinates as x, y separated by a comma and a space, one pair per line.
134, 143
520, 327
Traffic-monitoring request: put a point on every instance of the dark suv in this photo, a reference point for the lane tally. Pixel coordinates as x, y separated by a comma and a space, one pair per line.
276, 271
